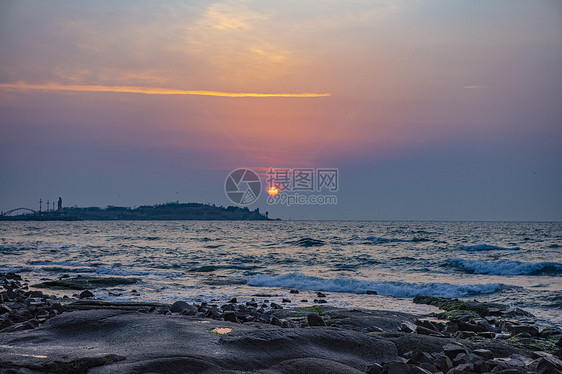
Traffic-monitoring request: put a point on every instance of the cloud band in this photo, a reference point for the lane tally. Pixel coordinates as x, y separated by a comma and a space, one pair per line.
22, 86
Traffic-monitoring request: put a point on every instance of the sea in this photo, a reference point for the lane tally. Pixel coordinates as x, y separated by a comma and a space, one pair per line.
516, 263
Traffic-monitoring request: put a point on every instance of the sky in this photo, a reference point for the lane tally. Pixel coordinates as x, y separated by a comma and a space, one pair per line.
429, 110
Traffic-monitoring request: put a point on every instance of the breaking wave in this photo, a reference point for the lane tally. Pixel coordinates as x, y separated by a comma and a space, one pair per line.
385, 288
486, 247
505, 267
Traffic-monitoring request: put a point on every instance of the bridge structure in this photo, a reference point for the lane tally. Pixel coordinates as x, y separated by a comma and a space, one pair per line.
7, 213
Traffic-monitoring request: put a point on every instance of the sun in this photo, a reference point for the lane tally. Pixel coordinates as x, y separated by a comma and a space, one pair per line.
272, 191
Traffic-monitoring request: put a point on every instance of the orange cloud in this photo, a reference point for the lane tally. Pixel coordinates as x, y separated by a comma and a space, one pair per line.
22, 86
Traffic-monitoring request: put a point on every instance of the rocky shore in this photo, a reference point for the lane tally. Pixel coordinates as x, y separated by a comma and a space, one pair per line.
40, 333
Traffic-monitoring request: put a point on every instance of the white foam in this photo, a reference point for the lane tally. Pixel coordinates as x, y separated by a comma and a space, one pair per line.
396, 289
506, 267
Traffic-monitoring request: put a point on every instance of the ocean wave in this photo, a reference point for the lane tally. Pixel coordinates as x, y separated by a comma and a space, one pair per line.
60, 263
505, 267
136, 273
13, 270
7, 248
376, 239
385, 288
110, 271
210, 268
308, 242
59, 246
486, 247
213, 246
61, 270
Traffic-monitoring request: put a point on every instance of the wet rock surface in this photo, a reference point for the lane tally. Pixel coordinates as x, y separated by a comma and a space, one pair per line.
262, 336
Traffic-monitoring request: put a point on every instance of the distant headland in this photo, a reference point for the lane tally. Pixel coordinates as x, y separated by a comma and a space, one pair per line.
168, 211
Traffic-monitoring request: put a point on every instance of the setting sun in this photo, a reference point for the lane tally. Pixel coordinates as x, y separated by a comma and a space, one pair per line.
272, 191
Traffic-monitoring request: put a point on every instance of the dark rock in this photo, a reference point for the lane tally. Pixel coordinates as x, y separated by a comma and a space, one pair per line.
513, 371
465, 334
312, 365
398, 368
484, 353
519, 329
429, 367
4, 308
86, 294
372, 292
445, 364
486, 326
462, 368
419, 357
294, 291
286, 301
547, 332
320, 301
373, 329
486, 334
451, 327
548, 364
230, 316
178, 306
233, 301
375, 369
494, 312
452, 350
425, 331
228, 307
468, 326
419, 370
304, 301
481, 366
426, 323
320, 294
276, 306
461, 358
315, 320
408, 327
276, 321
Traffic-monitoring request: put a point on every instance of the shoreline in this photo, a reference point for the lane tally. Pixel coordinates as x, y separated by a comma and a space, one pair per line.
45, 333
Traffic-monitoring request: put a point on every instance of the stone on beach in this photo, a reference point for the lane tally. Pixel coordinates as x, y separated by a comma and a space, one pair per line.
86, 294
315, 320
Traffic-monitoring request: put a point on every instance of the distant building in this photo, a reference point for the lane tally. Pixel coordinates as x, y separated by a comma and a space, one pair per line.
60, 205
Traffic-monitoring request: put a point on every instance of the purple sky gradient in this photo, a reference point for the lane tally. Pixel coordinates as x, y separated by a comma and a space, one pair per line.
470, 128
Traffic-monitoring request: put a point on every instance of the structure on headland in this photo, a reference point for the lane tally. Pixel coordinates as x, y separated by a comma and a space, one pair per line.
168, 211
